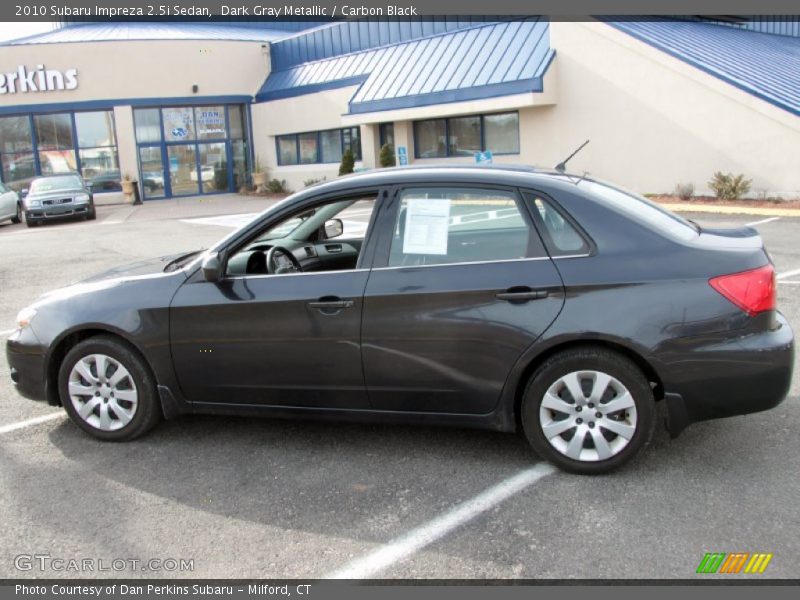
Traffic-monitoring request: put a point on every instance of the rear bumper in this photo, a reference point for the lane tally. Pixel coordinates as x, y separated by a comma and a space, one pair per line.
710, 378
26, 358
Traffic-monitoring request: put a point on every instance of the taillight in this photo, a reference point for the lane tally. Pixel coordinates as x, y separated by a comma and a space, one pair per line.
752, 291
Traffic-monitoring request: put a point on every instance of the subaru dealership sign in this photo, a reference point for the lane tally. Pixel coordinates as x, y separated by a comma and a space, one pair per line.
39, 79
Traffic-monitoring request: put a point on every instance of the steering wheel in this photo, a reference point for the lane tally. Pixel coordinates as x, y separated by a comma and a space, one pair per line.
273, 268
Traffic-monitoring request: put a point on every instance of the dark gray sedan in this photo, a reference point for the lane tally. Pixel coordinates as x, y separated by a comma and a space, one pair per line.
501, 298
58, 197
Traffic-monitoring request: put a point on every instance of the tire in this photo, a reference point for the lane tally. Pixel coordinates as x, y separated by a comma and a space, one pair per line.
18, 217
123, 409
601, 377
92, 215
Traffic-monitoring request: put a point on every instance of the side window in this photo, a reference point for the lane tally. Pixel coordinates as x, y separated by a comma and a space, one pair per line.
439, 225
560, 237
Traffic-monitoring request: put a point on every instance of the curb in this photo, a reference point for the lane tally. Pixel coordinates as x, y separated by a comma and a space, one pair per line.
733, 210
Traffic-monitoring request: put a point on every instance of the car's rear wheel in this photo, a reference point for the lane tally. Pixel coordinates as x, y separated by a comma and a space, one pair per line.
107, 390
588, 410
17, 218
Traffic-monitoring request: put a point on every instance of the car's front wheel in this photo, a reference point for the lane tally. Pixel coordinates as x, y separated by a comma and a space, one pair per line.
17, 218
107, 390
588, 410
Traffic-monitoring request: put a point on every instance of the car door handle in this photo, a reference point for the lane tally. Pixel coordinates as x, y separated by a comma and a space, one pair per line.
520, 295
330, 304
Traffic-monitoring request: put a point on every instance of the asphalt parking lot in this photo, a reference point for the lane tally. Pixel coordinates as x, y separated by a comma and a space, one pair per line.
272, 499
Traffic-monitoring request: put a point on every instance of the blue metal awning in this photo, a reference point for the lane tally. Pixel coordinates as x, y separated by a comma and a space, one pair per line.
495, 59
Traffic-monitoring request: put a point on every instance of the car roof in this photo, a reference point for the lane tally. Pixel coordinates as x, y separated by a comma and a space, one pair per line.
505, 174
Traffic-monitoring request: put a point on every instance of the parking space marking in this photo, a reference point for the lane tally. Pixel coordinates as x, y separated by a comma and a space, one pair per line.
7, 332
28, 422
422, 536
787, 274
762, 221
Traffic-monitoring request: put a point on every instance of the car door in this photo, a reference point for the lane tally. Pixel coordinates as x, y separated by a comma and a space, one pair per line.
461, 286
281, 340
8, 203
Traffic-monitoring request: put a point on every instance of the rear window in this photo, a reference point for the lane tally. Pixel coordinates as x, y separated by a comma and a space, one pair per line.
641, 209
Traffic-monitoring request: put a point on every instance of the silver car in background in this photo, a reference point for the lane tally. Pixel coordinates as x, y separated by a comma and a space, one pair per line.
58, 196
10, 205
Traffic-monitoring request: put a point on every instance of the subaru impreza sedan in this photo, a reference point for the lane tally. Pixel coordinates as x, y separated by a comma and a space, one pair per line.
502, 298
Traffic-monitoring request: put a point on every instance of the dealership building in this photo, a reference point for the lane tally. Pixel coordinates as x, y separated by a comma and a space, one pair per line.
195, 108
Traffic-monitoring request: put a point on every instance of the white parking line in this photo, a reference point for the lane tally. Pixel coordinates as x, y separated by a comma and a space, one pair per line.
7, 332
787, 274
762, 221
29, 422
422, 536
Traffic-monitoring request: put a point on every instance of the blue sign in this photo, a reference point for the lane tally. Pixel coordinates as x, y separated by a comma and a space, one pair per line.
402, 156
179, 132
173, 164
483, 158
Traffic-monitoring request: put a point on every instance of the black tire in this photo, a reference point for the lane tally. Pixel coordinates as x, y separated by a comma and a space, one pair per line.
30, 223
600, 360
18, 217
148, 408
92, 215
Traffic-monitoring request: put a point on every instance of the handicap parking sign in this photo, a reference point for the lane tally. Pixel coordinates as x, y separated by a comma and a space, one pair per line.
402, 156
483, 158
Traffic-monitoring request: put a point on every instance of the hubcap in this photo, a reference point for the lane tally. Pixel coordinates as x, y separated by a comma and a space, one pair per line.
103, 392
600, 432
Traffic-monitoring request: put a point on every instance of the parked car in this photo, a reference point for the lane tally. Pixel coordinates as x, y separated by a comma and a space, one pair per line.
498, 298
206, 173
10, 204
57, 197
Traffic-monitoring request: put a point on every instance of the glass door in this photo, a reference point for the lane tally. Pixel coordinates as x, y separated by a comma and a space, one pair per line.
213, 167
183, 177
152, 163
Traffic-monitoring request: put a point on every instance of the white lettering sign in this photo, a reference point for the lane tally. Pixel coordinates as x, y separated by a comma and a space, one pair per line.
40, 79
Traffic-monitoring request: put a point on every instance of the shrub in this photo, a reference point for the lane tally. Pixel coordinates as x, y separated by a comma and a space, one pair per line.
386, 157
312, 181
348, 162
276, 186
729, 186
684, 191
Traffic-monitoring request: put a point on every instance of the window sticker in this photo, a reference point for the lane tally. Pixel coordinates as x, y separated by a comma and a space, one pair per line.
426, 226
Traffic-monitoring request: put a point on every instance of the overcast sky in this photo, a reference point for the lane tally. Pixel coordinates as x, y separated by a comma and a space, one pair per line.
10, 31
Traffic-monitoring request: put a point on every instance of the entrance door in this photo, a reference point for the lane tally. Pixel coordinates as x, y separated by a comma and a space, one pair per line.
183, 177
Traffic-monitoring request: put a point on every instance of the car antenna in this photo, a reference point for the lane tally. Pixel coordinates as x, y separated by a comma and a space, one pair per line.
562, 166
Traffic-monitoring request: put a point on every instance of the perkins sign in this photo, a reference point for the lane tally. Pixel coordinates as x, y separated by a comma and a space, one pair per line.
37, 80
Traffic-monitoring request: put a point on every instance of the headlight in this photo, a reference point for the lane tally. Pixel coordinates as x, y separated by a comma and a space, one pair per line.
25, 317
82, 198
33, 203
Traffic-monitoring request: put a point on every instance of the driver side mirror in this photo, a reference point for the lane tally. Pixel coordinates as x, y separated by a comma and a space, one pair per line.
333, 228
212, 268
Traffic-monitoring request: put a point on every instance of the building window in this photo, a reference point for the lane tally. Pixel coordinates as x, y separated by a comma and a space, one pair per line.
386, 135
501, 133
97, 148
55, 144
148, 124
464, 136
314, 147
17, 163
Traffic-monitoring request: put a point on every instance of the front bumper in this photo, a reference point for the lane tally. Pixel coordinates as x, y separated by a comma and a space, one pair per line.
711, 377
26, 357
58, 211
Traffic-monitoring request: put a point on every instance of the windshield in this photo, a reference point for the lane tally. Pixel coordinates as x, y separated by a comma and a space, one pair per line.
49, 184
285, 229
642, 210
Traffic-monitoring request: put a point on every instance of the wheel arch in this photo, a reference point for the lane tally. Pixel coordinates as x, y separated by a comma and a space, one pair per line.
69, 340
535, 362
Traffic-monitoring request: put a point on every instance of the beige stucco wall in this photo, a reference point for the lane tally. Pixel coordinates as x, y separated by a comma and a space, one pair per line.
141, 69
311, 112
